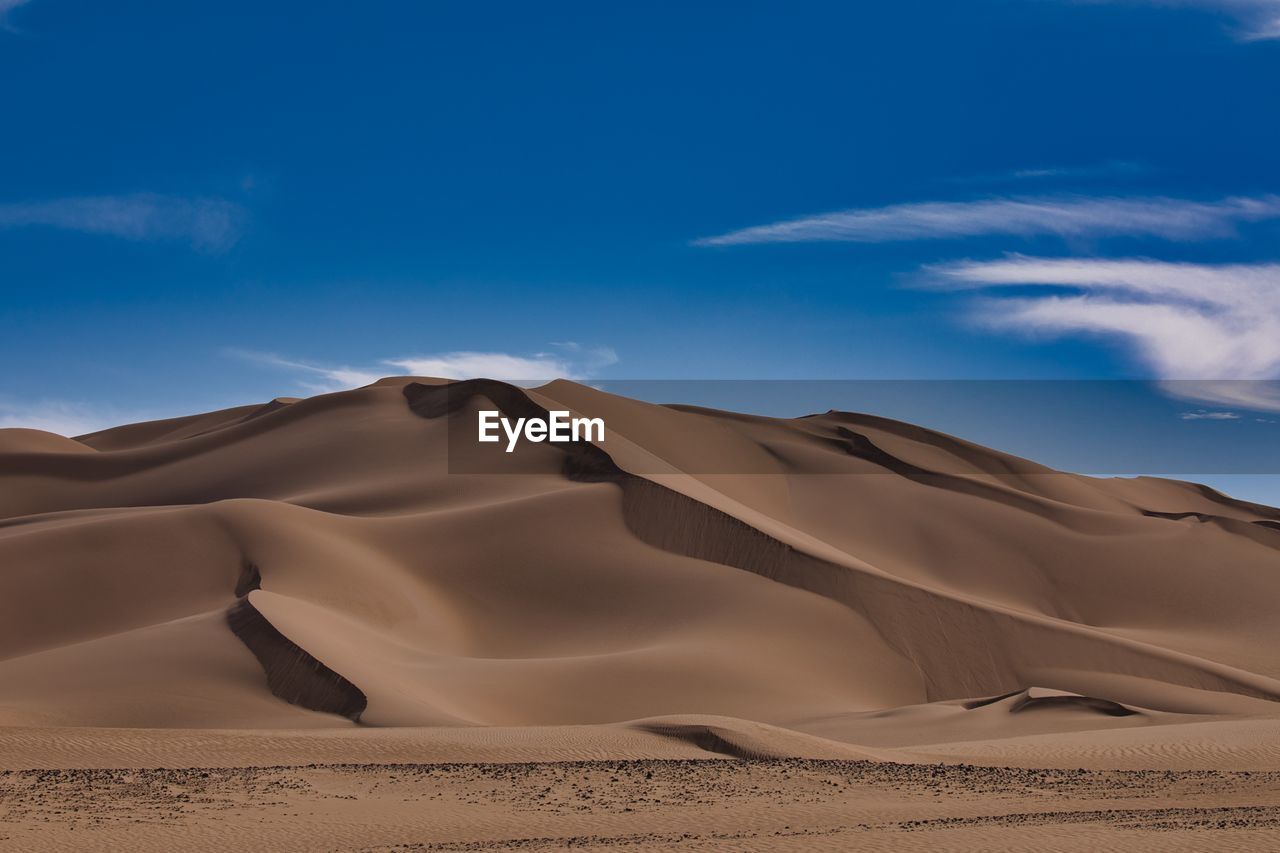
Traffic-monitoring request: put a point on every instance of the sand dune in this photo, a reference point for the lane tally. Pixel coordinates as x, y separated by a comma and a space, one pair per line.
341, 622
323, 563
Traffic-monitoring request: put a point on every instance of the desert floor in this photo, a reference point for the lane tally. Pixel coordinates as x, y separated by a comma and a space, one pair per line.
712, 802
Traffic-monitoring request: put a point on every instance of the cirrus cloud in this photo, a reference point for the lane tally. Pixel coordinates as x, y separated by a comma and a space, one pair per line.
1211, 332
1205, 415
1257, 20
208, 224
1064, 216
571, 360
64, 417
7, 6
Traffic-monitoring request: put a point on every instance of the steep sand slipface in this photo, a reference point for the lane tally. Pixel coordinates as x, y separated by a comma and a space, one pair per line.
313, 563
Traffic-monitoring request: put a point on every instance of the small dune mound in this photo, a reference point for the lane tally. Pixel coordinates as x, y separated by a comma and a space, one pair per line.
1043, 699
38, 441
710, 739
268, 408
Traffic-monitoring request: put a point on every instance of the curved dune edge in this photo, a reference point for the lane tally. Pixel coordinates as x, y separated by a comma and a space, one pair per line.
292, 673
746, 739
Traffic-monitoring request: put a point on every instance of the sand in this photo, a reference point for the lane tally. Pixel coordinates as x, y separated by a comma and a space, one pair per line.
790, 623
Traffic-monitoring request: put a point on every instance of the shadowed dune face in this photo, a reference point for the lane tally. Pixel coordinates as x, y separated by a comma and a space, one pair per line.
322, 561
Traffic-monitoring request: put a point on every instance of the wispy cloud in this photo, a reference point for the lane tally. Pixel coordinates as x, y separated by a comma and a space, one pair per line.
7, 6
1065, 216
61, 416
313, 378
571, 361
1095, 171
1204, 415
1107, 169
1212, 332
208, 224
1253, 394
1256, 20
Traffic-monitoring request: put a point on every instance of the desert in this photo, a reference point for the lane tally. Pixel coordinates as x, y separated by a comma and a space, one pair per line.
699, 426
332, 623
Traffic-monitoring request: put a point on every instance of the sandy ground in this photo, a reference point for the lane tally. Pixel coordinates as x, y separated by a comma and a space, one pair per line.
541, 789
694, 804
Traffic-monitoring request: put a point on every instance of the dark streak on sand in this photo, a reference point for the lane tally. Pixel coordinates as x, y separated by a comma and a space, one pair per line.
292, 673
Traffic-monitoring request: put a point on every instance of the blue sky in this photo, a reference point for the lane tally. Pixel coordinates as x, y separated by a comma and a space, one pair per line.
206, 204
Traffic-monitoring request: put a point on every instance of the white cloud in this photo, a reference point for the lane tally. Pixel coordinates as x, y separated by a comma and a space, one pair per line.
1212, 333
1203, 415
1255, 394
575, 362
1065, 216
208, 224
317, 378
1089, 171
496, 365
7, 6
1110, 168
61, 416
1257, 20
